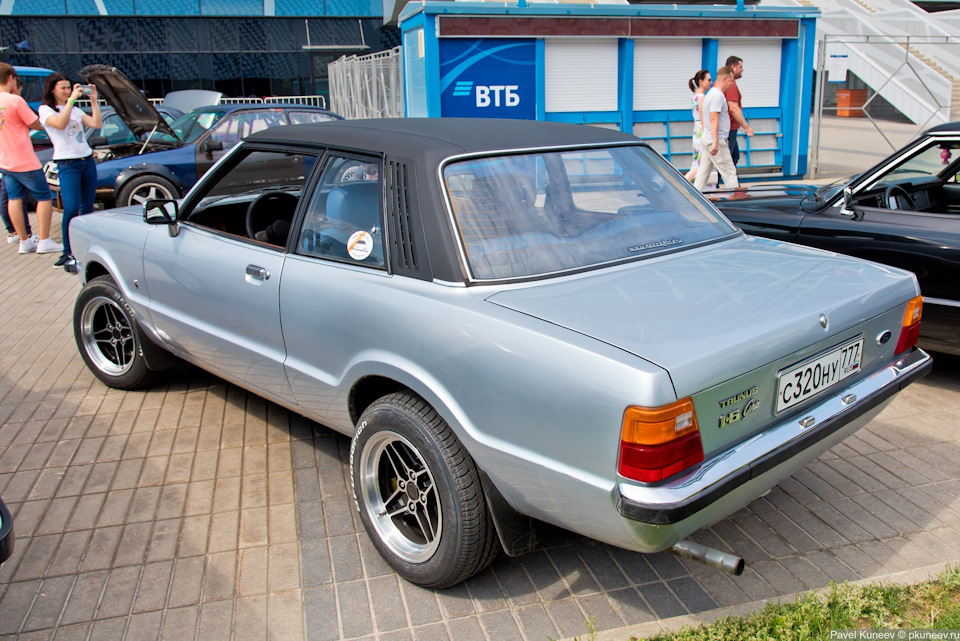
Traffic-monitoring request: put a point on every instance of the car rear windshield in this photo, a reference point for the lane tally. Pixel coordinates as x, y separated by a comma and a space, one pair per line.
533, 214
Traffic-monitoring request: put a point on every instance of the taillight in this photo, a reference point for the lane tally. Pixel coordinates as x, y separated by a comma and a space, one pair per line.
656, 443
910, 330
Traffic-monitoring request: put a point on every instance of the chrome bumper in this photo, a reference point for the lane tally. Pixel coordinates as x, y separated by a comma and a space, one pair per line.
680, 498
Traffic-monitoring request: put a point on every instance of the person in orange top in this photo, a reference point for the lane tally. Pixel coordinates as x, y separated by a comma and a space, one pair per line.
21, 167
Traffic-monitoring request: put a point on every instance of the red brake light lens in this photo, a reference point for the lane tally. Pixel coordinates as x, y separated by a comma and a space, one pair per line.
656, 443
910, 332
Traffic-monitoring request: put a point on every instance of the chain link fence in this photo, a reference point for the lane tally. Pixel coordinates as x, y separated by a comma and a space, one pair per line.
880, 91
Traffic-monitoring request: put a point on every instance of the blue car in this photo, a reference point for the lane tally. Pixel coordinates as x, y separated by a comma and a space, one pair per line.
165, 160
32, 78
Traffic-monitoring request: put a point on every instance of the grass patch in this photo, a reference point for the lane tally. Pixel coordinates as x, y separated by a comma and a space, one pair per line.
935, 604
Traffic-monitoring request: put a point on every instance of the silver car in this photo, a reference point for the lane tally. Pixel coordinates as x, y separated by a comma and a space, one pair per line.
515, 322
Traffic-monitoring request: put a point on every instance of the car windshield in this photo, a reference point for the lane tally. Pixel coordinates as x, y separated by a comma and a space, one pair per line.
533, 214
191, 126
930, 161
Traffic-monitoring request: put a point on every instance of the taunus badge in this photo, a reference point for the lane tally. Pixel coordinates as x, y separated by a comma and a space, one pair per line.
823, 321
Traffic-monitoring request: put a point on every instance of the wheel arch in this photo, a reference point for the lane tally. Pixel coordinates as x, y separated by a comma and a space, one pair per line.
147, 169
517, 532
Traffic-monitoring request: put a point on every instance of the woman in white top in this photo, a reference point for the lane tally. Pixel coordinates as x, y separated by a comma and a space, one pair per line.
65, 123
699, 85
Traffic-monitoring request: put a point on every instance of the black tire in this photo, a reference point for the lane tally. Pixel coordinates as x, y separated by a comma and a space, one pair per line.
437, 531
138, 190
110, 341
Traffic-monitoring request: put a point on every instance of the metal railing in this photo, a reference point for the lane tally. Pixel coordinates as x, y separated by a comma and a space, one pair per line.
369, 86
316, 101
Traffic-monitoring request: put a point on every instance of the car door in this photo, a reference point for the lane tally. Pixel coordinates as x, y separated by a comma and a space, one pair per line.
232, 129
333, 278
215, 291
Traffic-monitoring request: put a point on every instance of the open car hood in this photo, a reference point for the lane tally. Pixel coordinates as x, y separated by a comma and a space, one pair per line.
129, 102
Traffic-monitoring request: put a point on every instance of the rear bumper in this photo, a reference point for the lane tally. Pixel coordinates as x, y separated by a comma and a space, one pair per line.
784, 446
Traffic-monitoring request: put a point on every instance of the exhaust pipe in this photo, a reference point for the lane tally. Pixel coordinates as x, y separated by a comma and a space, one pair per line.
708, 556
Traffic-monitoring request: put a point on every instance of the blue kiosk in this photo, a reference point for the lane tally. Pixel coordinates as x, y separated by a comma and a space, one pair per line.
619, 66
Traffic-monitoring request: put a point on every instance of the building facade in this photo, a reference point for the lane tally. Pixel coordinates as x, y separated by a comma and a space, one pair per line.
238, 47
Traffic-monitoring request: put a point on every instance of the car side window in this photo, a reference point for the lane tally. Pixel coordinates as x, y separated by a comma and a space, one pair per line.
236, 127
343, 220
307, 117
256, 197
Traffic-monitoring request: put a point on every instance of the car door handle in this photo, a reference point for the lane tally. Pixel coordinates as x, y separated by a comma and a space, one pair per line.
258, 272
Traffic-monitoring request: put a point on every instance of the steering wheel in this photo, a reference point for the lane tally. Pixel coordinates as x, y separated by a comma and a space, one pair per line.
269, 207
900, 195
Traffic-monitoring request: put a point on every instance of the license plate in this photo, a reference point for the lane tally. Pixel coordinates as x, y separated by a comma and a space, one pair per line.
816, 374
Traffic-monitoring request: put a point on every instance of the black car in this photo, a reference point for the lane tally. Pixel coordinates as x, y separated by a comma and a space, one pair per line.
6, 533
904, 212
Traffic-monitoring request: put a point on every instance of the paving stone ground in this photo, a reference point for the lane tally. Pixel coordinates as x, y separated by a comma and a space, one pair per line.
195, 510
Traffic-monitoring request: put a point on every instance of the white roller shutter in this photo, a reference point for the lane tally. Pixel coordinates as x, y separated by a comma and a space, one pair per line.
661, 69
580, 75
760, 84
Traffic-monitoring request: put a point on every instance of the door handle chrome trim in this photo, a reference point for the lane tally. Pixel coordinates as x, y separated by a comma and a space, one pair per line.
258, 272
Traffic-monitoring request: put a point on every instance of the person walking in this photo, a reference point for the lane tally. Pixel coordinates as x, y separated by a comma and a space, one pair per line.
699, 85
65, 123
734, 104
716, 128
12, 236
21, 167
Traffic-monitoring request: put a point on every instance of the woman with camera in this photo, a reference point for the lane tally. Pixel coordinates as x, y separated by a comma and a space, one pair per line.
65, 123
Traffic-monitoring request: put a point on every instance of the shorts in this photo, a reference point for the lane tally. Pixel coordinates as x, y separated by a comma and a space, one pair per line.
19, 183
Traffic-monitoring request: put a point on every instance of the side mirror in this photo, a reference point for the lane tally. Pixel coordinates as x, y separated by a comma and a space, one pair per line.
847, 208
97, 141
208, 146
162, 212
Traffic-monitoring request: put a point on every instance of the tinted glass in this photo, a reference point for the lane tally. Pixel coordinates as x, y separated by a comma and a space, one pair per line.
533, 214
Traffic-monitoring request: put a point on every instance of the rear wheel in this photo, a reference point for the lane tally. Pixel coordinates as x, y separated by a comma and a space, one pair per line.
109, 339
419, 493
137, 191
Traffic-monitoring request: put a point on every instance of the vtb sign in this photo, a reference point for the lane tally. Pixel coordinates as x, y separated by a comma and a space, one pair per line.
482, 78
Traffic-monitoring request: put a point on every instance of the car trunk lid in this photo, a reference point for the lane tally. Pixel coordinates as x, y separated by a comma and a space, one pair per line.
711, 314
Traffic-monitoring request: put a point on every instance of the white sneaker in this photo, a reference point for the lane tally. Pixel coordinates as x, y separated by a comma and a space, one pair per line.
49, 246
13, 238
29, 245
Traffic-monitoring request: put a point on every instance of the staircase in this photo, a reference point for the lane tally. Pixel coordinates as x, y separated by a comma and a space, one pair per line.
952, 78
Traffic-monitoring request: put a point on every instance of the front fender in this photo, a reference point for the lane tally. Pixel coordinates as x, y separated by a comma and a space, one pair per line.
147, 169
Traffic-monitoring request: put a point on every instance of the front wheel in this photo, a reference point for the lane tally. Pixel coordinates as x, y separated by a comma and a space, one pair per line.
419, 493
107, 334
139, 190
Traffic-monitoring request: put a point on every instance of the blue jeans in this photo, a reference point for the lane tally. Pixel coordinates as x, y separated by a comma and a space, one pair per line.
6, 216
734, 147
78, 189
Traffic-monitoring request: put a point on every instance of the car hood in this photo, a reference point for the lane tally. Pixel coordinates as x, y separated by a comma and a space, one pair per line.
709, 314
129, 102
761, 193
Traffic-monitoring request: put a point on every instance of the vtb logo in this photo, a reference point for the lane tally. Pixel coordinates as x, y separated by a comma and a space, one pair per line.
489, 95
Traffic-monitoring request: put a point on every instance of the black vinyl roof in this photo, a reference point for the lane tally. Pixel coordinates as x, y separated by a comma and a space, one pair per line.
945, 128
412, 137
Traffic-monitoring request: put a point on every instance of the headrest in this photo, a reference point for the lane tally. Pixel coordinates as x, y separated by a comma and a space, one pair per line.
355, 205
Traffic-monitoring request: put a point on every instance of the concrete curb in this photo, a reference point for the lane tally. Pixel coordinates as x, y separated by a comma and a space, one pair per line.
674, 624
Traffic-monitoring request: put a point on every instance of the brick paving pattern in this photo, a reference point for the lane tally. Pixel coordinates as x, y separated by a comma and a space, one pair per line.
195, 510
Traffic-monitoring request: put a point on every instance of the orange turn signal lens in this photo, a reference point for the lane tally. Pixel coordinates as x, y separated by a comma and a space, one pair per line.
914, 311
653, 426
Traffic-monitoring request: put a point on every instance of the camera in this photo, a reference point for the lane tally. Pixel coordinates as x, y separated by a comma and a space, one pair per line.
86, 90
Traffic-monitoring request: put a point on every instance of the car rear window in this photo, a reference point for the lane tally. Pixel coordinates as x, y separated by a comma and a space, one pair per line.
533, 214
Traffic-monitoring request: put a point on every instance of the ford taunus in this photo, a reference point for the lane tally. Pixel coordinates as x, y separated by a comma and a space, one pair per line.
515, 323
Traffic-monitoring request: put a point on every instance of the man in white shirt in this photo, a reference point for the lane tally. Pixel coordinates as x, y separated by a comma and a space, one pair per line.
716, 129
